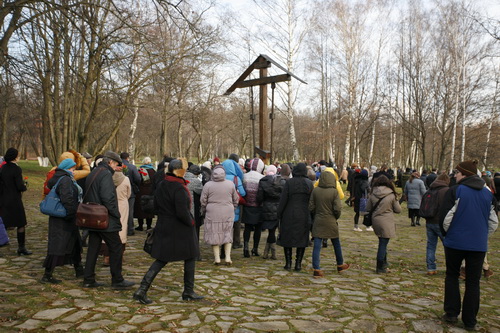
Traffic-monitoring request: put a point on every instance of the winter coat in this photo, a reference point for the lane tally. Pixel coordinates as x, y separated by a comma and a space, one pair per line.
11, 202
383, 216
468, 216
252, 211
293, 209
123, 193
442, 188
361, 188
414, 192
133, 176
145, 188
63, 233
232, 171
99, 188
269, 193
195, 186
326, 206
175, 233
218, 200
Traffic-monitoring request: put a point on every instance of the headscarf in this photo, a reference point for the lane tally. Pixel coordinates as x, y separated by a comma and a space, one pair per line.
271, 170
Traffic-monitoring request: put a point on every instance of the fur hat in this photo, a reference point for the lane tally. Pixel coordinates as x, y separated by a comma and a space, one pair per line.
467, 168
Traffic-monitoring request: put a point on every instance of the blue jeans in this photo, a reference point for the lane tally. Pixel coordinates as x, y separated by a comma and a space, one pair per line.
382, 248
318, 244
433, 233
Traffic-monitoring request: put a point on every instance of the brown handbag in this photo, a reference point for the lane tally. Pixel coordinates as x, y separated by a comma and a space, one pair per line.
92, 215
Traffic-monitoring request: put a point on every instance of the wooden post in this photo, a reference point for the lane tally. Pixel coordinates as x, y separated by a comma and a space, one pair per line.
263, 116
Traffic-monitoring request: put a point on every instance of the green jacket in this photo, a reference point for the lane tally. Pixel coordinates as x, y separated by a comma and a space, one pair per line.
326, 207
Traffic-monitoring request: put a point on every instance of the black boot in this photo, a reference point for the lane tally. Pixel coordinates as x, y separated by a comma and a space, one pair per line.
21, 250
246, 252
380, 267
412, 221
288, 258
298, 259
188, 294
255, 251
385, 264
140, 223
48, 278
78, 270
418, 221
147, 280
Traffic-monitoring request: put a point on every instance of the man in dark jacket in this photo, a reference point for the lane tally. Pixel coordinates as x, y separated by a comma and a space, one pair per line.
135, 181
467, 217
430, 178
99, 188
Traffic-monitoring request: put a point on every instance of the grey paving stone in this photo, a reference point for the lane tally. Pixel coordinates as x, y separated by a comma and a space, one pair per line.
140, 319
314, 326
360, 325
126, 328
193, 320
84, 303
427, 326
51, 314
31, 324
58, 327
91, 325
267, 326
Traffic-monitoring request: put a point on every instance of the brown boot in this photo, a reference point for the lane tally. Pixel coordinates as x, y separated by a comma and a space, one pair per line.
318, 274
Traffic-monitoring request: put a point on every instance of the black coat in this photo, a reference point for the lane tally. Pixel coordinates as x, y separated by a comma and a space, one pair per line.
102, 190
145, 188
269, 193
175, 234
11, 203
63, 232
293, 212
361, 186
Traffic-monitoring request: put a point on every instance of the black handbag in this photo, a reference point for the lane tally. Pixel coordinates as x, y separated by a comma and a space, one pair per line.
148, 243
367, 219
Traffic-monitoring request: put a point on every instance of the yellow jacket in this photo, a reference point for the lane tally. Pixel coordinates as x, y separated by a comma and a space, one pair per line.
338, 187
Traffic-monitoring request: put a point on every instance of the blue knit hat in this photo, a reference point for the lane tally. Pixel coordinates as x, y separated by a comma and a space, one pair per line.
66, 164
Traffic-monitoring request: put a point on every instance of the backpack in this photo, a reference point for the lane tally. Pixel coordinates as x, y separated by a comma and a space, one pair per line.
50, 174
429, 204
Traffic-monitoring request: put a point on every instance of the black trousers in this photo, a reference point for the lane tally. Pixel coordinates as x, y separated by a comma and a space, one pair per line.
473, 269
114, 244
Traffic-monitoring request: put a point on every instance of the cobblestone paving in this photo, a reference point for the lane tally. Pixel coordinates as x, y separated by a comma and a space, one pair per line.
253, 295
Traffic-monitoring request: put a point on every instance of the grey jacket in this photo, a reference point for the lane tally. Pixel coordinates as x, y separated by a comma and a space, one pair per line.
414, 192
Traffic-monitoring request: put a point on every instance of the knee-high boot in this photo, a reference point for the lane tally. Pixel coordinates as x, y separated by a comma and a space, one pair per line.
288, 258
188, 294
147, 280
227, 252
216, 250
298, 260
272, 246
246, 252
266, 251
21, 241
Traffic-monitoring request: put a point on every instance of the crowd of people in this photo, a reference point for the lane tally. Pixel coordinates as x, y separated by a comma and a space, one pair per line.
298, 204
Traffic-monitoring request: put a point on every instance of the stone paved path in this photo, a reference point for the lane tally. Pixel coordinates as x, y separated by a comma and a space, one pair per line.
254, 295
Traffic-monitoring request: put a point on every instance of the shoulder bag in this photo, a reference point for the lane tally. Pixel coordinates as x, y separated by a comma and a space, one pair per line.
148, 243
367, 220
242, 200
90, 214
52, 205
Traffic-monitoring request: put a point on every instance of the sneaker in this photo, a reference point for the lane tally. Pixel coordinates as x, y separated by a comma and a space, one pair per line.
369, 228
357, 229
343, 267
487, 273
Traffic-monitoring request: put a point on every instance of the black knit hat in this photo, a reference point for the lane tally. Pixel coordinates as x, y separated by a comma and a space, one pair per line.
467, 168
11, 154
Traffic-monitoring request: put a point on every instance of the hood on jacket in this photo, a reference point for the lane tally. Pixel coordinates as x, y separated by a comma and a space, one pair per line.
327, 179
75, 156
475, 182
218, 174
332, 170
381, 191
118, 178
438, 183
300, 170
232, 168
